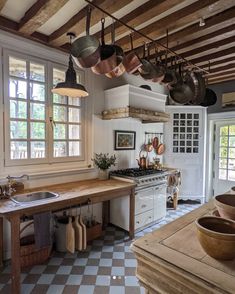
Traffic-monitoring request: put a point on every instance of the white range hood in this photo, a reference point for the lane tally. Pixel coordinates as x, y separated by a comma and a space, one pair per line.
131, 101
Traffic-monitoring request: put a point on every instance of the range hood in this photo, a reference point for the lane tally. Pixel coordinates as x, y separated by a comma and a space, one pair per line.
133, 102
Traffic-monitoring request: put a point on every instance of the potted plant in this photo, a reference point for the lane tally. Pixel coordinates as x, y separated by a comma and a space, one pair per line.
104, 161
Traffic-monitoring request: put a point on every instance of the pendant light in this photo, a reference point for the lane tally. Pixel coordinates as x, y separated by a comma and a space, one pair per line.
70, 87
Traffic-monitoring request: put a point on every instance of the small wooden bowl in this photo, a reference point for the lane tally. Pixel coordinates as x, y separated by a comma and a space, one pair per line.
225, 204
217, 236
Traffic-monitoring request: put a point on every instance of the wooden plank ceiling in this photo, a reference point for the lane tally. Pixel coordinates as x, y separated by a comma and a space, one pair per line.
48, 21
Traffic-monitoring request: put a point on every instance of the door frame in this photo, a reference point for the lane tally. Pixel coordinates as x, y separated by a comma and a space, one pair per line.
213, 118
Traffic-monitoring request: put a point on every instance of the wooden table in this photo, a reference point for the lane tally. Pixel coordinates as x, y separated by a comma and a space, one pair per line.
171, 260
71, 194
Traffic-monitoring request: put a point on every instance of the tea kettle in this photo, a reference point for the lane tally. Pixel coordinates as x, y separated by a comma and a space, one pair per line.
142, 161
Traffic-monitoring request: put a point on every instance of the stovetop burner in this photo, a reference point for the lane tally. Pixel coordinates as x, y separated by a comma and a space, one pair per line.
135, 172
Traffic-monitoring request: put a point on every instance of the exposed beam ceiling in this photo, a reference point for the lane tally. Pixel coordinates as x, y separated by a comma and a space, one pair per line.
214, 42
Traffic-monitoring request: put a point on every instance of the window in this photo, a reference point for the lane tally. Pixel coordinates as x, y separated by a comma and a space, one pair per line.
185, 133
227, 153
40, 127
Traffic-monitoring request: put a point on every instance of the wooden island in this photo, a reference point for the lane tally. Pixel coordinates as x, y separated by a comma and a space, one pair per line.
70, 194
171, 260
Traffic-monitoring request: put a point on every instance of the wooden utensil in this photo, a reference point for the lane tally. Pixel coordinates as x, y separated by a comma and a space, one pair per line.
84, 239
78, 234
70, 236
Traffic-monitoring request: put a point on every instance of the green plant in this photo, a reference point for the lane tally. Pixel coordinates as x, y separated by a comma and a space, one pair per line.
103, 160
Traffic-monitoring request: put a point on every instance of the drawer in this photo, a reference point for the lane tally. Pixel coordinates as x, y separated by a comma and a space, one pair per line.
143, 219
144, 201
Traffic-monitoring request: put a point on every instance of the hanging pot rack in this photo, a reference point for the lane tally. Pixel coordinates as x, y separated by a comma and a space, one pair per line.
192, 65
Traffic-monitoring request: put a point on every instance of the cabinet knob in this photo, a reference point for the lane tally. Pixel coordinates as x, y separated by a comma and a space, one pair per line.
137, 222
143, 206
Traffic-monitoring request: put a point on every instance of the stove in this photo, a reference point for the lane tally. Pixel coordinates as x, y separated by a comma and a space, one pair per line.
142, 177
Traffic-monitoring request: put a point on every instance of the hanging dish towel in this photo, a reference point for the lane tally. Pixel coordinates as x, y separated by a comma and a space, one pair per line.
42, 233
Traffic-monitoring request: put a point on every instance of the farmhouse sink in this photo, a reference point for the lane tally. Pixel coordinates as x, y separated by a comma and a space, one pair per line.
34, 196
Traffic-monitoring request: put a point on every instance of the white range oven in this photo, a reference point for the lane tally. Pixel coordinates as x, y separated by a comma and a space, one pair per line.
150, 198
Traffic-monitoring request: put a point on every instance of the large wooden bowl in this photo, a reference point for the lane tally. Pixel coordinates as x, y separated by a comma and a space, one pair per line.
217, 236
225, 204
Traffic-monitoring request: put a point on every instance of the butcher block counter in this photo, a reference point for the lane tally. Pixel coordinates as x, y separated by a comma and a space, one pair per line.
70, 194
171, 260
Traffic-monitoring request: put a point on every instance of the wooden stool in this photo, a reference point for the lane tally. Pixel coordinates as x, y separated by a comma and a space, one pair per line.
175, 199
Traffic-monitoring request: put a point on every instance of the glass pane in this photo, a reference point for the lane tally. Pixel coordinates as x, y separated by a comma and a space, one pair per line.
19, 150
17, 89
232, 141
223, 163
231, 164
74, 148
60, 149
231, 175
38, 150
60, 131
59, 99
37, 72
58, 76
224, 131
231, 152
222, 174
232, 130
223, 152
37, 92
17, 67
60, 113
223, 141
74, 114
37, 111
74, 132
74, 101
18, 109
37, 130
18, 129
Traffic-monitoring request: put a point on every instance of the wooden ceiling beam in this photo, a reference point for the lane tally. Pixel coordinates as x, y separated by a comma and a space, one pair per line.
77, 23
194, 34
140, 15
2, 4
221, 80
222, 74
218, 63
222, 69
176, 20
38, 14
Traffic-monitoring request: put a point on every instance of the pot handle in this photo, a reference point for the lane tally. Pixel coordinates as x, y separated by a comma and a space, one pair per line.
102, 31
113, 33
88, 20
131, 39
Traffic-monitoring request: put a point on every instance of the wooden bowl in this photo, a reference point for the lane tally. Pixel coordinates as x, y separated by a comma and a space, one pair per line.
225, 204
217, 236
215, 213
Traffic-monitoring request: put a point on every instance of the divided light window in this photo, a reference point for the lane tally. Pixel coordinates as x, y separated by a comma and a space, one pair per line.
40, 127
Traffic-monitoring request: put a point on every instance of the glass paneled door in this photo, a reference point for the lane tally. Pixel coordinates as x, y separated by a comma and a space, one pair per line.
224, 157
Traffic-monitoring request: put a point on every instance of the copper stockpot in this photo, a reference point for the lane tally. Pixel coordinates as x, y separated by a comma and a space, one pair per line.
132, 61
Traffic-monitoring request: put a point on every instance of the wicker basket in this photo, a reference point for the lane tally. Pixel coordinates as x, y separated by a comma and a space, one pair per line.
29, 254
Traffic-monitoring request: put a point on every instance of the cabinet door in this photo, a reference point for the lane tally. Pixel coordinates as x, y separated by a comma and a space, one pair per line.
160, 202
144, 200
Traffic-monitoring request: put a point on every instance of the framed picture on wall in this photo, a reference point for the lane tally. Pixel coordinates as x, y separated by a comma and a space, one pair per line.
124, 140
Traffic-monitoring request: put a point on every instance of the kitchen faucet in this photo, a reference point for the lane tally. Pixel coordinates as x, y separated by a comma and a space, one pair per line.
11, 190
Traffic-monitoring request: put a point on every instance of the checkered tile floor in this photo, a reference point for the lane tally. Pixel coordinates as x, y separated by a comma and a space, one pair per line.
107, 266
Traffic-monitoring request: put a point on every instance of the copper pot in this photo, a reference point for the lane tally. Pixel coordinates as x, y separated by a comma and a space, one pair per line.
132, 61
108, 58
142, 161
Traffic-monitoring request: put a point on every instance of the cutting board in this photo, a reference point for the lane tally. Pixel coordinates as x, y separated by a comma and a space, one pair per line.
84, 238
70, 236
78, 234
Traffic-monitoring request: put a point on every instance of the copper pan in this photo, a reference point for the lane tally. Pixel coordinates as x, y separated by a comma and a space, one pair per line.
120, 68
159, 69
147, 70
132, 61
108, 58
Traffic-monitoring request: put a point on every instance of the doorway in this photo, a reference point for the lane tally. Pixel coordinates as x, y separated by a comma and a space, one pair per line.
224, 157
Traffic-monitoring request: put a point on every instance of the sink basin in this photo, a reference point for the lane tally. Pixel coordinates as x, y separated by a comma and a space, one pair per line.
34, 196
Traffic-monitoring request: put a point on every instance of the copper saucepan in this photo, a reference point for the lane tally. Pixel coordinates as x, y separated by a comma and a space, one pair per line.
132, 61
108, 58
86, 50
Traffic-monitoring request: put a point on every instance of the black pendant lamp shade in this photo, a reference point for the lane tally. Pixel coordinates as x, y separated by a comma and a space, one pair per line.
70, 87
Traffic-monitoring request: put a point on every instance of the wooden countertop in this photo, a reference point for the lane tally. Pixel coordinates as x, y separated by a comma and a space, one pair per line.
69, 194
171, 260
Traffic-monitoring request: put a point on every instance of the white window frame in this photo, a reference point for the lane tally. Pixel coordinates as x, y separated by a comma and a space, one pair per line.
8, 162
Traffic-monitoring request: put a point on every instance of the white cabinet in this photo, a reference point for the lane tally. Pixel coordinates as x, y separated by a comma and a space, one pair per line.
159, 207
185, 139
144, 200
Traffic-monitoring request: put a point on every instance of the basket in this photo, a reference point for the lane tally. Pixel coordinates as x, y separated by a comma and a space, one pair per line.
29, 254
94, 232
